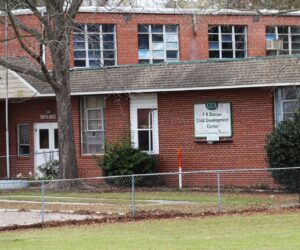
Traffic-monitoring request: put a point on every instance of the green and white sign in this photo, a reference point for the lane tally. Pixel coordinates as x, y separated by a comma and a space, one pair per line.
213, 120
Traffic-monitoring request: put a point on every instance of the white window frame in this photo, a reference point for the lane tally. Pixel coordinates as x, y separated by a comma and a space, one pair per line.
289, 34
144, 101
86, 49
83, 112
279, 103
234, 50
23, 144
164, 33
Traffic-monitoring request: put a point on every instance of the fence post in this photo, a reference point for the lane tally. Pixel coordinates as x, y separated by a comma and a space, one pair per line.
133, 196
219, 191
43, 201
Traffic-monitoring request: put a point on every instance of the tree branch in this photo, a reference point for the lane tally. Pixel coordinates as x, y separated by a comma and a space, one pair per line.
31, 53
23, 70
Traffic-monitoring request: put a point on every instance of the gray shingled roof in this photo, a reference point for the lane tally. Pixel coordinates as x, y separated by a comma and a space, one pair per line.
250, 72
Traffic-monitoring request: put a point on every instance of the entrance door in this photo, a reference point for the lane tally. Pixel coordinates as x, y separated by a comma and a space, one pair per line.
45, 144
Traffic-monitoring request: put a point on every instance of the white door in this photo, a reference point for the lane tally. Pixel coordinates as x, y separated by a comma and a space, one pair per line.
45, 144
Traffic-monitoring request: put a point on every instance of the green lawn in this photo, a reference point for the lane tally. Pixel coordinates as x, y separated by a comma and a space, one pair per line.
263, 232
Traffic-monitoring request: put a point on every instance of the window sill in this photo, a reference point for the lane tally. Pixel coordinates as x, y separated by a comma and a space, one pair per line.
222, 139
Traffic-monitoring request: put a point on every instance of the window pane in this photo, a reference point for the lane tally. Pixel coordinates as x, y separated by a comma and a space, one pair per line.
109, 54
94, 63
158, 54
270, 29
108, 45
56, 138
290, 106
214, 54
108, 28
290, 93
94, 54
143, 118
143, 138
213, 29
157, 28
93, 27
79, 54
172, 54
158, 60
226, 38
24, 150
226, 29
23, 134
44, 138
143, 28
79, 63
79, 37
213, 38
240, 54
94, 38
109, 63
227, 54
108, 37
143, 41
171, 28
239, 29
94, 102
142, 61
94, 45
79, 45
144, 54
157, 38
226, 45
172, 46
157, 46
283, 29
172, 38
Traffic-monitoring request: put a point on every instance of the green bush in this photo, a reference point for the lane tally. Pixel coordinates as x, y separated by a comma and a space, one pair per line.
49, 170
122, 159
283, 151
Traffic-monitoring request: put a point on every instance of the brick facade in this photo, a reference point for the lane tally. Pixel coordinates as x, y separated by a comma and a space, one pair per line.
253, 109
193, 39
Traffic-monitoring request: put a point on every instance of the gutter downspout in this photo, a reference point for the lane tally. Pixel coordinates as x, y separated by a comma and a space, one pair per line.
6, 98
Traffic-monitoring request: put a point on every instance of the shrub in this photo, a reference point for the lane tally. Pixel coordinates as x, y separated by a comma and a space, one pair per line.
283, 151
122, 159
49, 170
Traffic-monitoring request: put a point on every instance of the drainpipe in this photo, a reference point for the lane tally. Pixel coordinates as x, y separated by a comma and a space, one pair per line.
6, 98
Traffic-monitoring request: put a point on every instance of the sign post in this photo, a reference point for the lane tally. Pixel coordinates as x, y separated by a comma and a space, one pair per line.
180, 168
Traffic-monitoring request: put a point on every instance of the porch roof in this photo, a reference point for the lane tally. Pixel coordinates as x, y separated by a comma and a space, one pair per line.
182, 76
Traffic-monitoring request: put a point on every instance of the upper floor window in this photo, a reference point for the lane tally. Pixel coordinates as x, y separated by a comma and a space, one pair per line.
94, 45
227, 41
92, 124
290, 37
287, 102
158, 43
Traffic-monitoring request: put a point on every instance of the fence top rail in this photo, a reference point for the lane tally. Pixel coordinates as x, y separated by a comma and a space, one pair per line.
211, 171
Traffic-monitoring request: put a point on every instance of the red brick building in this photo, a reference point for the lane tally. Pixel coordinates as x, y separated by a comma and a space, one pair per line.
199, 83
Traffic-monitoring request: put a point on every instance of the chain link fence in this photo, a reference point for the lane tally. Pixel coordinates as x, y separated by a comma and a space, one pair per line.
195, 192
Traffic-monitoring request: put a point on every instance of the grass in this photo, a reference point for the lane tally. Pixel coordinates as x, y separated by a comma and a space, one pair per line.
146, 200
261, 231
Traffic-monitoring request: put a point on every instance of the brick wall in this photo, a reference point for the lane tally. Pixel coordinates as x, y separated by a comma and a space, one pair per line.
252, 120
193, 45
28, 112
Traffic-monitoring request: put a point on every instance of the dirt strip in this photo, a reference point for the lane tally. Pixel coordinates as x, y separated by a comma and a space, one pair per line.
153, 215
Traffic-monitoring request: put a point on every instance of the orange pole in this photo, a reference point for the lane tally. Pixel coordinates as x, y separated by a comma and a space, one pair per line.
179, 153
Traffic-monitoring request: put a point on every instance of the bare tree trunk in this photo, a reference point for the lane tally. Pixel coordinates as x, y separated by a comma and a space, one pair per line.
67, 153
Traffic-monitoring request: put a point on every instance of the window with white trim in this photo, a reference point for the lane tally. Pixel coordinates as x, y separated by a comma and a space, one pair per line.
23, 140
287, 102
92, 125
290, 36
158, 43
227, 41
95, 45
144, 122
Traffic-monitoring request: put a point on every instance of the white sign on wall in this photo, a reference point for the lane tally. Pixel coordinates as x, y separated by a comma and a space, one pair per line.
213, 120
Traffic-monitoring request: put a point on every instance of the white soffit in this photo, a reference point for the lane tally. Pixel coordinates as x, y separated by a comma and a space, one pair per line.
17, 86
